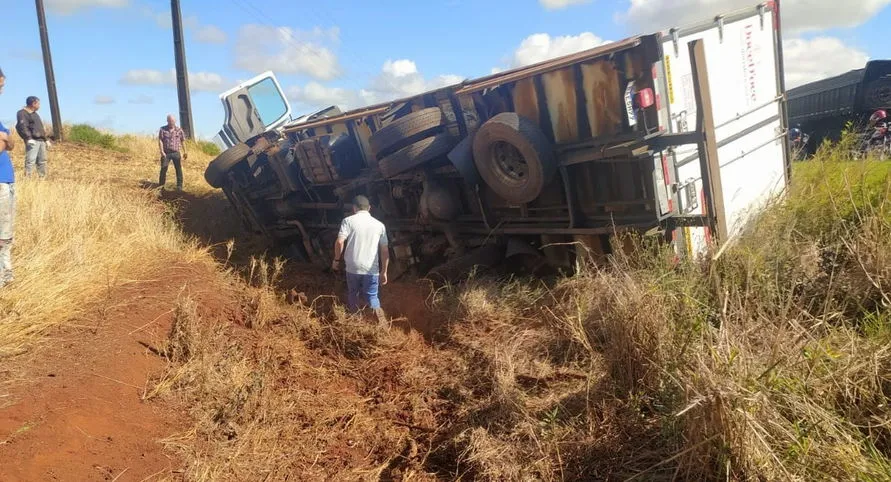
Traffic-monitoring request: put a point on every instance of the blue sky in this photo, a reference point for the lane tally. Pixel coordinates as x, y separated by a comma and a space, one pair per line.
113, 58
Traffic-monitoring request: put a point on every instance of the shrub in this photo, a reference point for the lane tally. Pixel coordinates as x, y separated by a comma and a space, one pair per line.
86, 134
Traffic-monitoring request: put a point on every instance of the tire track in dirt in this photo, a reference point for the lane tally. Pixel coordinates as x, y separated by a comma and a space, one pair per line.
79, 415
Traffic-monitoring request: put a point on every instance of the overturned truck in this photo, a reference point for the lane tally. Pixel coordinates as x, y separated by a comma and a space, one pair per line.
679, 134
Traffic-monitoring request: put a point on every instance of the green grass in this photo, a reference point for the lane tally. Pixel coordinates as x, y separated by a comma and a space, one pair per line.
86, 134
208, 148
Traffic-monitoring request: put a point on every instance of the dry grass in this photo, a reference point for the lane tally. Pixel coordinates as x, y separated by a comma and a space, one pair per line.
268, 406
771, 363
84, 231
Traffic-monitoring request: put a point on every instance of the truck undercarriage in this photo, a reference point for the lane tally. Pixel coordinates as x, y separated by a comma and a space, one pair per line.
525, 162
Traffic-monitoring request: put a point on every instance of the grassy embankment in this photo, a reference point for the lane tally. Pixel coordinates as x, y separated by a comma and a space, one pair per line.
771, 363
88, 229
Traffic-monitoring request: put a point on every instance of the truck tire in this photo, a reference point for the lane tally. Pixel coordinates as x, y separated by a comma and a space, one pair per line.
215, 174
416, 154
514, 157
405, 130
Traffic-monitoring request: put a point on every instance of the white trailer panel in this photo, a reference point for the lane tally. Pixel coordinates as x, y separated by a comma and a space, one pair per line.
743, 61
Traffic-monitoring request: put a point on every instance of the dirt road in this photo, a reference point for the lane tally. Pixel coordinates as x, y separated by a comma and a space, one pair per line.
79, 414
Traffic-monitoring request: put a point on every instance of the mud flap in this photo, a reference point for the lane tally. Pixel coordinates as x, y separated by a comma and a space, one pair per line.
461, 156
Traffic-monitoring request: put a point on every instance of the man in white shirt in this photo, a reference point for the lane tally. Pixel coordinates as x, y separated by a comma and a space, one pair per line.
362, 244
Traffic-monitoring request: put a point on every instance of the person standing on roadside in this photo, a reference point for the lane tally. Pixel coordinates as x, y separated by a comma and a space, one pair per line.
7, 199
172, 141
362, 243
30, 128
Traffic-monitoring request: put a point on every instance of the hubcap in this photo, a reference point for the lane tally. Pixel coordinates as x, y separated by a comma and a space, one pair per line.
509, 161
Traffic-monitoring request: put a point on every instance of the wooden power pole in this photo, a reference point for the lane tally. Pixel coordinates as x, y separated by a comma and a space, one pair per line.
182, 73
48, 69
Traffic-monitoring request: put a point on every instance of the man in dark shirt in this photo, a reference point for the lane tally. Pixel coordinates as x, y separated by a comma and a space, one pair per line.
172, 141
30, 127
7, 200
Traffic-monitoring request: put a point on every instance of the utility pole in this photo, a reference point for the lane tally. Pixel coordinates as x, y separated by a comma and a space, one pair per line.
48, 69
182, 73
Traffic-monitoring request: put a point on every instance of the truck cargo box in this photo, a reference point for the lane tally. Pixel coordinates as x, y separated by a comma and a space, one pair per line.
572, 149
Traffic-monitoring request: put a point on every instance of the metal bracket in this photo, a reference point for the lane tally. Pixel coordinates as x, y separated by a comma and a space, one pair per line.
570, 198
761, 10
779, 132
670, 140
689, 221
720, 21
675, 40
691, 200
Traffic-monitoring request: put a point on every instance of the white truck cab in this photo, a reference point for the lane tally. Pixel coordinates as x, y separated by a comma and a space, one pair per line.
251, 108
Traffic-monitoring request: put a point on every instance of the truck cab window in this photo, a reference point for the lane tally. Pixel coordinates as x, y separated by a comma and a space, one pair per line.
269, 104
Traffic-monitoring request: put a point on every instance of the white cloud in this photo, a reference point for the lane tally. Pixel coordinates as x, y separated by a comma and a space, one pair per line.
798, 15
198, 81
558, 4
163, 18
210, 34
318, 95
288, 51
206, 82
142, 100
145, 77
541, 46
103, 100
401, 78
67, 7
818, 58
397, 79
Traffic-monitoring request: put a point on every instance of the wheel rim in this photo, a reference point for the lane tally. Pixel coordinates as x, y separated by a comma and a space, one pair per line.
509, 162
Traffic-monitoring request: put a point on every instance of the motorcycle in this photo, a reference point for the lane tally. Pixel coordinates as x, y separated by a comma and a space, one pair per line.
875, 144
797, 143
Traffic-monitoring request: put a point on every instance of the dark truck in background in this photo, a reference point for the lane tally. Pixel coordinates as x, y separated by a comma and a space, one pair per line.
821, 109
530, 162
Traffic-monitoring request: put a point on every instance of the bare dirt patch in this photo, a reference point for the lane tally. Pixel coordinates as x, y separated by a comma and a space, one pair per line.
79, 413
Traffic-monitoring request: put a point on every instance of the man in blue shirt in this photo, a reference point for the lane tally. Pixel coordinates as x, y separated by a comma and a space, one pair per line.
7, 200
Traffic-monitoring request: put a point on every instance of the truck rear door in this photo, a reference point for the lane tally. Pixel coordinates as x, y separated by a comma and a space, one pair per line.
743, 60
252, 108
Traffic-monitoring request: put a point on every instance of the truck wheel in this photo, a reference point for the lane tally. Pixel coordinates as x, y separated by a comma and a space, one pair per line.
514, 157
416, 154
215, 174
405, 130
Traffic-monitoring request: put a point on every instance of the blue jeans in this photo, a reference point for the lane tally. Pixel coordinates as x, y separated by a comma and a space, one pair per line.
35, 154
364, 285
7, 220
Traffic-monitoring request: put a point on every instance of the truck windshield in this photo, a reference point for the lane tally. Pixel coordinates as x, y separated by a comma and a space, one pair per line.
267, 101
